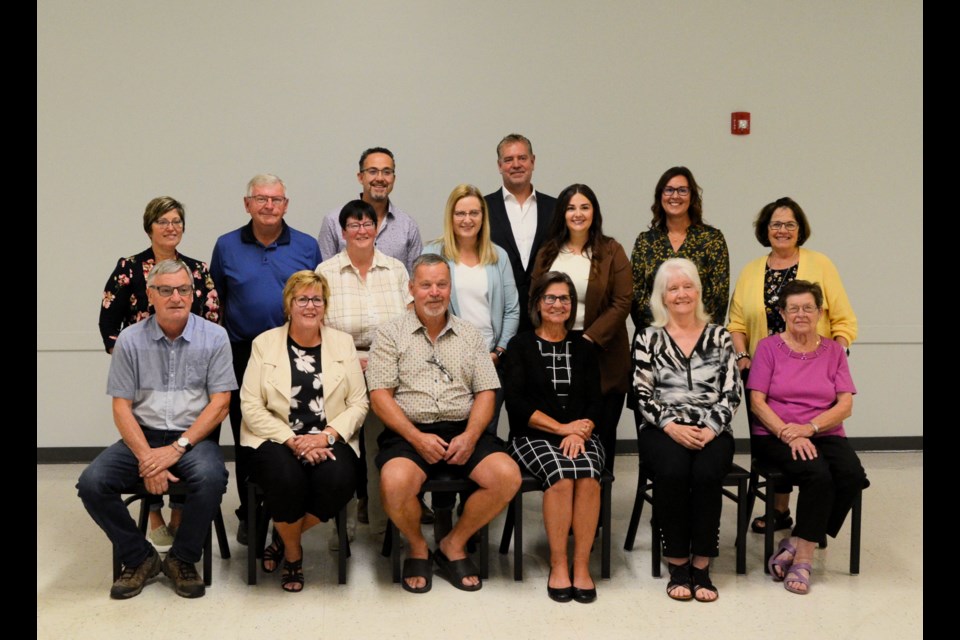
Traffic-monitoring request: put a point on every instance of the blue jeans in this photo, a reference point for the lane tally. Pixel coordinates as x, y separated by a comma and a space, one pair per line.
116, 471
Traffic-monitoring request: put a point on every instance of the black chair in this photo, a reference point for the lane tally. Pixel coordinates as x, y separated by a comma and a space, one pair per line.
513, 525
439, 484
257, 522
762, 480
139, 492
737, 477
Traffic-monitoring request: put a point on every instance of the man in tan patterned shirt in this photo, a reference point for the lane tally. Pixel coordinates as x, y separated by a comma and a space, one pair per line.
432, 383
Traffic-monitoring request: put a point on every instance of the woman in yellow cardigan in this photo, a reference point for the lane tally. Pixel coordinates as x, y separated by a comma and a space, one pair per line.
782, 226
303, 400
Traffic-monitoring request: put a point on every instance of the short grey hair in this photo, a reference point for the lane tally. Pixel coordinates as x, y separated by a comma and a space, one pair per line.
428, 260
262, 179
670, 268
168, 267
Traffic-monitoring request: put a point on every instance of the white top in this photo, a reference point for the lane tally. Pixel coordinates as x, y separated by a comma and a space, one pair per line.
578, 268
523, 222
474, 301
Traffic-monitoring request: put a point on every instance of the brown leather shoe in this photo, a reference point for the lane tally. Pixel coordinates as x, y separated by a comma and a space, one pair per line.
131, 581
186, 581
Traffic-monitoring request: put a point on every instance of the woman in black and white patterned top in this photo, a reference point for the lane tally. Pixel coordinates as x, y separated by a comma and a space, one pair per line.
554, 403
688, 390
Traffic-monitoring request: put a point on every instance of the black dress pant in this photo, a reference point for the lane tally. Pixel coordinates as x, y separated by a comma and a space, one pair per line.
687, 490
241, 356
827, 484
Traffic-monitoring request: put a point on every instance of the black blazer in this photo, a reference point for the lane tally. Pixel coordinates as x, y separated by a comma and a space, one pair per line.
501, 233
528, 388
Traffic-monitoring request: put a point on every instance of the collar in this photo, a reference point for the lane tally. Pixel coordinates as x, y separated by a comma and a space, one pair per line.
247, 237
412, 323
344, 264
155, 333
509, 196
391, 210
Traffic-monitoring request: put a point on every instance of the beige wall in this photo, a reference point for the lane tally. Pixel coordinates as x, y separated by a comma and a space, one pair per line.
188, 99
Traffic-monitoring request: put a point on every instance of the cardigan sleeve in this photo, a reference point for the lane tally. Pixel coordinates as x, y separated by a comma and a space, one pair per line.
843, 321
613, 318
511, 301
737, 322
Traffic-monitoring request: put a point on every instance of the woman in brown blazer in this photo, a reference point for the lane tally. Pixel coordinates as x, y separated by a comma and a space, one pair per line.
600, 271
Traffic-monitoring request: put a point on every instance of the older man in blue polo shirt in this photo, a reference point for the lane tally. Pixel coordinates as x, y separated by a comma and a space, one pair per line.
170, 377
249, 267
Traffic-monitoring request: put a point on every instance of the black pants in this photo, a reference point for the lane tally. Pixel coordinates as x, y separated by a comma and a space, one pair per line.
241, 355
292, 489
687, 492
827, 484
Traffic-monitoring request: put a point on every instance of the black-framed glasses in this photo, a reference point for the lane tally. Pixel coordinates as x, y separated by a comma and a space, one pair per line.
167, 291
549, 299
303, 301
356, 226
680, 191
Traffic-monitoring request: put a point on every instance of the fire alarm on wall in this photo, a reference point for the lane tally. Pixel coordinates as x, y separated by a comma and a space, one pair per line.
740, 123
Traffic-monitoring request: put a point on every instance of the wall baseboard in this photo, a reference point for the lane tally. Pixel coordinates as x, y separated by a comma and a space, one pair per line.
68, 455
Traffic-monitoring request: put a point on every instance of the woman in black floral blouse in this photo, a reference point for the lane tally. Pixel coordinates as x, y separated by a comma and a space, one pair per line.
678, 231
125, 294
125, 303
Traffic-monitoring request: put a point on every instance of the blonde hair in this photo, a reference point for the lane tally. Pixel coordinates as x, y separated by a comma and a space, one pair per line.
301, 280
486, 249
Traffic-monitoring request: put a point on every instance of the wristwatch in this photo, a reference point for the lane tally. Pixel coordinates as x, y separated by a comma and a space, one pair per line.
331, 439
184, 444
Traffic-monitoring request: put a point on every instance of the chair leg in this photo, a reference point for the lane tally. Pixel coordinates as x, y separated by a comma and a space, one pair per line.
208, 557
655, 546
344, 551
606, 507
387, 547
507, 528
254, 548
635, 514
768, 529
517, 506
743, 515
855, 523
221, 535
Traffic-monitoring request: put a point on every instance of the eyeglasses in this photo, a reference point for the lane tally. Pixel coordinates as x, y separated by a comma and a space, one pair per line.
163, 223
460, 215
302, 301
356, 226
373, 172
680, 191
262, 200
433, 360
777, 226
551, 300
808, 309
165, 291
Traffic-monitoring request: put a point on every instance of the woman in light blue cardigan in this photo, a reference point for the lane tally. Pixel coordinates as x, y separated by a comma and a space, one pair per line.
483, 290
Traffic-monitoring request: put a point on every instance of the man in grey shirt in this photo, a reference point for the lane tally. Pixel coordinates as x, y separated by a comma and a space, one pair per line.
398, 235
170, 377
432, 383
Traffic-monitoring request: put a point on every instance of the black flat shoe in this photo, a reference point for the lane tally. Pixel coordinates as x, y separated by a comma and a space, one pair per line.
561, 594
584, 596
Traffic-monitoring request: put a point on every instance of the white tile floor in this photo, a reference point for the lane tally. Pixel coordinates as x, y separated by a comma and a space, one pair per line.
884, 601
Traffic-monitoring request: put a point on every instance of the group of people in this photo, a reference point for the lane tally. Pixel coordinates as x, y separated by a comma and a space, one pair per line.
367, 372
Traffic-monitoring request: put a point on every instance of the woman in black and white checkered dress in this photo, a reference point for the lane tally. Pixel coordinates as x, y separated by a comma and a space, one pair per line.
552, 383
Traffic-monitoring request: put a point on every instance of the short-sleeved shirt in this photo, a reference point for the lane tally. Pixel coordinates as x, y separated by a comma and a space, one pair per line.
356, 306
799, 386
398, 236
249, 277
433, 381
170, 382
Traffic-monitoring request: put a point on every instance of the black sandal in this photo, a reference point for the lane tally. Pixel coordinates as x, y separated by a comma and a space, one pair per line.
273, 553
680, 577
292, 576
781, 520
701, 582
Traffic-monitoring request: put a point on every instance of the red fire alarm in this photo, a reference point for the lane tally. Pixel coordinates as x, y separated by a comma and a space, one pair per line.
740, 123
